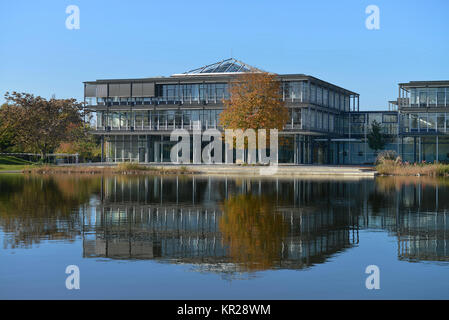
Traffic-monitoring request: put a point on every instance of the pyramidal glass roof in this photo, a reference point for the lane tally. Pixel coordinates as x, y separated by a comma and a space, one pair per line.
230, 65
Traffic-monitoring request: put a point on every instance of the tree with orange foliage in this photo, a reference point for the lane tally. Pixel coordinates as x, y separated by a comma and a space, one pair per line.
253, 231
255, 103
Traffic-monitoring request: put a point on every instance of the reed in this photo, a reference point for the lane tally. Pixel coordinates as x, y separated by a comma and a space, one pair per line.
128, 168
394, 168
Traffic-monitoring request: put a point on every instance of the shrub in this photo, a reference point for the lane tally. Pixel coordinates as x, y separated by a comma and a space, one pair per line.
388, 156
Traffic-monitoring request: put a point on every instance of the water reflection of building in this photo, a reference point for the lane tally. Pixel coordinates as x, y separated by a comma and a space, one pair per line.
423, 236
415, 211
178, 220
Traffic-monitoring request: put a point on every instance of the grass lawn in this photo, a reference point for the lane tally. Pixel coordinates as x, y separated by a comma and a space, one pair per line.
9, 163
10, 167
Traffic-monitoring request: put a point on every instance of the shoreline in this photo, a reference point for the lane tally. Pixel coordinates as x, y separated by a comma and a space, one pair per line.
284, 170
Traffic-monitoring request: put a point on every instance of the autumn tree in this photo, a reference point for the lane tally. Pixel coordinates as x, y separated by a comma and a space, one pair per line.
80, 141
40, 125
255, 103
253, 231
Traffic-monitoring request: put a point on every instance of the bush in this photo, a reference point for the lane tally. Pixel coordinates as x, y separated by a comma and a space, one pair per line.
388, 156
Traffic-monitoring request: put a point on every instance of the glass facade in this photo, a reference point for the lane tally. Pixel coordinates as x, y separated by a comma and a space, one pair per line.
425, 122
157, 119
198, 93
428, 97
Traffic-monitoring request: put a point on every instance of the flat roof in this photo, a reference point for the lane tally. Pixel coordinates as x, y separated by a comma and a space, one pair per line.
436, 83
217, 77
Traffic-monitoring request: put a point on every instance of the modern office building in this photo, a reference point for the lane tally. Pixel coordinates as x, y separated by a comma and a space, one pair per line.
423, 108
135, 117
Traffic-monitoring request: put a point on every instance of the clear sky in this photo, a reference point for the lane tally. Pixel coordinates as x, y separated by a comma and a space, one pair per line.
131, 39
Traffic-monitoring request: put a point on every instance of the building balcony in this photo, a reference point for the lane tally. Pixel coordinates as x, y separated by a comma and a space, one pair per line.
167, 127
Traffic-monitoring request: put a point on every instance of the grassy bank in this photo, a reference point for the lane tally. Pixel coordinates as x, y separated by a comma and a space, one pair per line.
9, 163
394, 168
122, 168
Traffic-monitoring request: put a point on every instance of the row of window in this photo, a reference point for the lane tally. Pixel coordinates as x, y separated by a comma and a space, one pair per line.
193, 92
124, 119
312, 119
425, 122
365, 128
296, 91
429, 97
299, 118
371, 117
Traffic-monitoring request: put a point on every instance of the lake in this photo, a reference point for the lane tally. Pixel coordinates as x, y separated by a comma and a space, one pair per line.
200, 237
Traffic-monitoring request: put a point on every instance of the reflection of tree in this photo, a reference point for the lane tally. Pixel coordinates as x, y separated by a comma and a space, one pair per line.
253, 231
35, 208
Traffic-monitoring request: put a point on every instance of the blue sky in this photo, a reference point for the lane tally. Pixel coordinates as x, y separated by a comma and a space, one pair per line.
131, 39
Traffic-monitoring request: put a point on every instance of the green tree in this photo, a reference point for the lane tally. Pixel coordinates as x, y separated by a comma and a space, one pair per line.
40, 125
6, 135
376, 139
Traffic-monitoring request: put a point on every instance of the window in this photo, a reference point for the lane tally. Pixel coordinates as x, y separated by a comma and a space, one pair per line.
414, 122
295, 90
319, 95
440, 122
405, 122
440, 97
286, 90
413, 97
326, 97
305, 91
202, 92
195, 92
389, 118
296, 116
447, 121
313, 97
422, 97
211, 91
422, 122
331, 122
358, 118
431, 121
432, 97
319, 120
325, 121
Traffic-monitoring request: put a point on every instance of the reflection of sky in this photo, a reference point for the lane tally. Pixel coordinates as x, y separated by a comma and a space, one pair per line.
40, 274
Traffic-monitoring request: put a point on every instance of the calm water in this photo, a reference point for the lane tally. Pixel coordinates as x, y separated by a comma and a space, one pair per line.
223, 238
